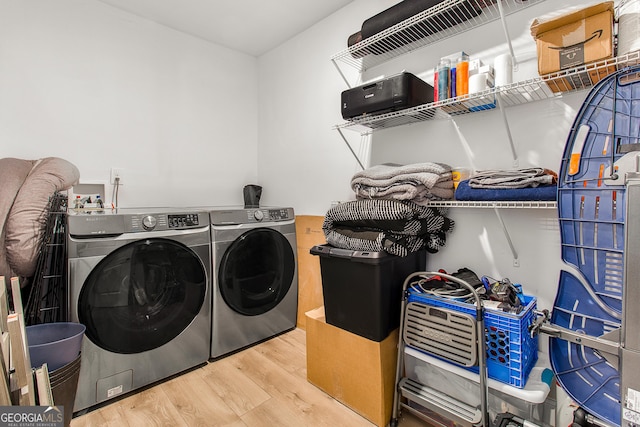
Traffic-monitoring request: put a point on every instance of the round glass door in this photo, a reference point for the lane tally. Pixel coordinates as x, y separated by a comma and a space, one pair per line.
256, 271
142, 295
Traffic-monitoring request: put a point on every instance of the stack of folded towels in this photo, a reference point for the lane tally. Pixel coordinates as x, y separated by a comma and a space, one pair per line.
419, 182
520, 185
391, 212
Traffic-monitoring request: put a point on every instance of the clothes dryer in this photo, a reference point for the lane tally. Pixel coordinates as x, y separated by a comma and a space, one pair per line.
139, 280
255, 279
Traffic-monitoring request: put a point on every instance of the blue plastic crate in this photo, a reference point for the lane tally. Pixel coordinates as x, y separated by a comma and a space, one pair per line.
511, 351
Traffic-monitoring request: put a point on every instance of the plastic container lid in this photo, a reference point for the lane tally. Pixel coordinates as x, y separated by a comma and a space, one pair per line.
535, 391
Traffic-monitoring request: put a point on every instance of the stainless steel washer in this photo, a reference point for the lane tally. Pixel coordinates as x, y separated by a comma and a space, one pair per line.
255, 283
139, 281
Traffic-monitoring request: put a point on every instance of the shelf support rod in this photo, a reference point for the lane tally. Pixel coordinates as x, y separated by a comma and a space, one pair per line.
335, 64
350, 149
514, 154
516, 262
506, 34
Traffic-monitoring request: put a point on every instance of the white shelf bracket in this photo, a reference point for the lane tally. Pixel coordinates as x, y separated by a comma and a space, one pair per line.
351, 149
335, 64
506, 34
514, 154
516, 261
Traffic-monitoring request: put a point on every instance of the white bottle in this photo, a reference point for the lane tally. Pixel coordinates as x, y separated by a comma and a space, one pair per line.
503, 69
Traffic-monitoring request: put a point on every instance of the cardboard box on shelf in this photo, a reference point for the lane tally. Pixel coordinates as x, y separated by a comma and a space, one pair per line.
573, 39
357, 372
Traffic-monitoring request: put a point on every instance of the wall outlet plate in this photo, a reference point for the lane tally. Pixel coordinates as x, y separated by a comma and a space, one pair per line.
116, 173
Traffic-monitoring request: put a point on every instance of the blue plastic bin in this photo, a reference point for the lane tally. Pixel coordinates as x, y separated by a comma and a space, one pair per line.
511, 351
55, 344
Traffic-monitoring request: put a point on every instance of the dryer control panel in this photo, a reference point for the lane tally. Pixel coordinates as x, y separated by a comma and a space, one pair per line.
269, 215
279, 214
250, 215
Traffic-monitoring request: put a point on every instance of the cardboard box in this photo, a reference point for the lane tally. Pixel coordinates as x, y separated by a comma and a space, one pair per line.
309, 233
358, 372
573, 39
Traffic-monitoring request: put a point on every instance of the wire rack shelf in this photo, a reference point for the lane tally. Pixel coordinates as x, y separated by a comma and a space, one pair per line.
544, 87
444, 20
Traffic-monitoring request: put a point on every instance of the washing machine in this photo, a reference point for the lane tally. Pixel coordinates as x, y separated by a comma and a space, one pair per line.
139, 280
255, 276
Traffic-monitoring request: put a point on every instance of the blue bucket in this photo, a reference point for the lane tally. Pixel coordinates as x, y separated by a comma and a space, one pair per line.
56, 344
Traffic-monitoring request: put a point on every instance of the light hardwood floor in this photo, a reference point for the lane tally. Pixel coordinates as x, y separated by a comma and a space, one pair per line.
264, 385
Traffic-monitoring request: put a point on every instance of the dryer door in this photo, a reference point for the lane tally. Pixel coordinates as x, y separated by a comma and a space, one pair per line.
142, 295
256, 271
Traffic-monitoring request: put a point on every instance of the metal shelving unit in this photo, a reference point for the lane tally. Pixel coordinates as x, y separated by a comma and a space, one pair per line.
545, 87
448, 18
444, 20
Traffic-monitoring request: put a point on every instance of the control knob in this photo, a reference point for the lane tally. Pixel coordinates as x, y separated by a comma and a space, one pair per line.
258, 215
149, 222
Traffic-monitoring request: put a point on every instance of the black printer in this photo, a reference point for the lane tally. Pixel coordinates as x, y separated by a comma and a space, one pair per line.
397, 92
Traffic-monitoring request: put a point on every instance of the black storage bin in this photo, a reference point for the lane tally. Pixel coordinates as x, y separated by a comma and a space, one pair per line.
362, 291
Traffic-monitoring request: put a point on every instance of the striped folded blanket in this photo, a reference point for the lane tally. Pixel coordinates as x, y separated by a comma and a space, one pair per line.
396, 227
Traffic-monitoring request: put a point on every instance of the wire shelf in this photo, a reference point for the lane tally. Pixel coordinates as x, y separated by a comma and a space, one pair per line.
494, 204
444, 20
544, 87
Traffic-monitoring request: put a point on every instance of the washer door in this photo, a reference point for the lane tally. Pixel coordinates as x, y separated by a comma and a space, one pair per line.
142, 295
256, 271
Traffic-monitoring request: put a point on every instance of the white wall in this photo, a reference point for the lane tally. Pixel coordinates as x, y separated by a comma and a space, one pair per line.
103, 88
302, 161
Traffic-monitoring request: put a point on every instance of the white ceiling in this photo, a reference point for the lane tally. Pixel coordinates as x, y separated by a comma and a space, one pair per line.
250, 26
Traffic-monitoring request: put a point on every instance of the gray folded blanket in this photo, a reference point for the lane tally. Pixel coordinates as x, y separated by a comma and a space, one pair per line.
520, 178
419, 182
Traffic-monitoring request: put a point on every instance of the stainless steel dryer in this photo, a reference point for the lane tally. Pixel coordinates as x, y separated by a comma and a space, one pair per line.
255, 284
139, 281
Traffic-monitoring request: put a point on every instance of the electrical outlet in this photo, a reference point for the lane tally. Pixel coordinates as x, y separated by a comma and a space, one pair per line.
116, 173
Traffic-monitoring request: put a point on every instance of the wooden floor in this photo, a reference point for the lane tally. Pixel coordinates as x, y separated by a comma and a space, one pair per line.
265, 385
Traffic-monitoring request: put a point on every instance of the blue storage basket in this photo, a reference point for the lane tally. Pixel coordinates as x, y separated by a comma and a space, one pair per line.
511, 351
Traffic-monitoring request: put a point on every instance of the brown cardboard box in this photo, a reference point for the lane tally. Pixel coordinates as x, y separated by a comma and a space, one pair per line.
574, 39
356, 371
308, 233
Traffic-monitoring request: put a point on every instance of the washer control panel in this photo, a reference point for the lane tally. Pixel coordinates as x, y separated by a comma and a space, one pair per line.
132, 220
183, 220
159, 222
